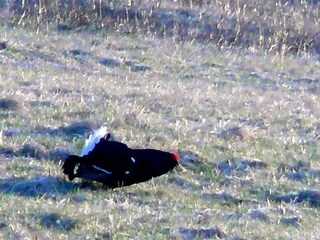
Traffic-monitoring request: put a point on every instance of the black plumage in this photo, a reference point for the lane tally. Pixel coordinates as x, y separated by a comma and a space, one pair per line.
115, 164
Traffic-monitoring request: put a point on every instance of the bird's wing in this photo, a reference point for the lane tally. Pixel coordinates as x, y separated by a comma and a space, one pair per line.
111, 156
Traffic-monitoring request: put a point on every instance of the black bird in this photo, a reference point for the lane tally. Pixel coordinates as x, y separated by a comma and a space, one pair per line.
115, 164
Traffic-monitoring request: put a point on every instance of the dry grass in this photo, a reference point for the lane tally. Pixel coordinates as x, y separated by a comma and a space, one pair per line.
246, 125
278, 27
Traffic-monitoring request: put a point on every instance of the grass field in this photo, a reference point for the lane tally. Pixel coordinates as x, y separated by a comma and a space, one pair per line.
245, 123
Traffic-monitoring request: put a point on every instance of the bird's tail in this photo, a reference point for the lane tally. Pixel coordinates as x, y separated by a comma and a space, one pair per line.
69, 165
95, 138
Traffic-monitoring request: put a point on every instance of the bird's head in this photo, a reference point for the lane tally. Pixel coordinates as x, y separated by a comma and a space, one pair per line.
175, 156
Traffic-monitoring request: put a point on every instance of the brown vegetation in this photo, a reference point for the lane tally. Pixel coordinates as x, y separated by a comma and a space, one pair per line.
245, 122
277, 26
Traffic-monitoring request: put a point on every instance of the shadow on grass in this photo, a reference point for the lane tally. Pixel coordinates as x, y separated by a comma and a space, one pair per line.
312, 197
38, 150
33, 149
77, 128
56, 221
45, 186
42, 186
192, 161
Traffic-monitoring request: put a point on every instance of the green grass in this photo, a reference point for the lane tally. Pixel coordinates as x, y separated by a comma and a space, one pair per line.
208, 103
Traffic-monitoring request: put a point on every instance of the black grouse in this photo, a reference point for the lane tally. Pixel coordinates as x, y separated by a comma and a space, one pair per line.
115, 164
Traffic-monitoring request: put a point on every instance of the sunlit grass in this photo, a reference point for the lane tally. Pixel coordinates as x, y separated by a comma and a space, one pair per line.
213, 106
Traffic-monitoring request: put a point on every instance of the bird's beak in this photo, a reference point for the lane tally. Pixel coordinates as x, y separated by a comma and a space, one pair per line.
180, 168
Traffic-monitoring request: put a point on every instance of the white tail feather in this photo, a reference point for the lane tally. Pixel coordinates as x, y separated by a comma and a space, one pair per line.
93, 140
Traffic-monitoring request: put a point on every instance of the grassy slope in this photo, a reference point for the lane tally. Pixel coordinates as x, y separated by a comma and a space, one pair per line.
212, 106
